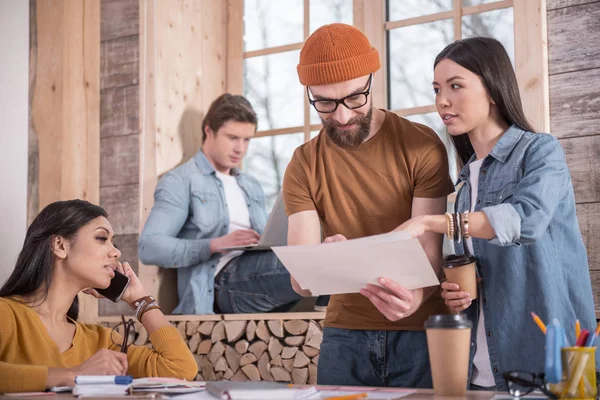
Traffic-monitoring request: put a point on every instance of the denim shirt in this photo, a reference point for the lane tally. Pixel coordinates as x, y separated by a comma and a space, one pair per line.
537, 262
189, 210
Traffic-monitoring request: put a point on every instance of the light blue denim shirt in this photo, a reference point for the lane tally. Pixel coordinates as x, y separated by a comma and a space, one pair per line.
538, 261
189, 210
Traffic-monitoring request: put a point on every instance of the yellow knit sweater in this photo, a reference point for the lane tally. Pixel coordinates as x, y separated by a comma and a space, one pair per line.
27, 351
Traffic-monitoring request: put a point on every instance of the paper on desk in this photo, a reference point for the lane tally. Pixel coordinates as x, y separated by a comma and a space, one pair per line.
166, 385
346, 267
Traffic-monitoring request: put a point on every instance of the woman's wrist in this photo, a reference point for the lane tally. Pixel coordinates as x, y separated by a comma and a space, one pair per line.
60, 377
135, 296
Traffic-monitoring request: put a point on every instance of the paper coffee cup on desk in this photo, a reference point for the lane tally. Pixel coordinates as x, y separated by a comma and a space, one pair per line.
449, 344
461, 270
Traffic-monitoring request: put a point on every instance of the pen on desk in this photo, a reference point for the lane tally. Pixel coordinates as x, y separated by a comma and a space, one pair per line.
539, 322
102, 379
348, 397
591, 339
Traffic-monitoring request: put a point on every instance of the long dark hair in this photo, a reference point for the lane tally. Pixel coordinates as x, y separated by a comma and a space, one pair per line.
33, 270
487, 58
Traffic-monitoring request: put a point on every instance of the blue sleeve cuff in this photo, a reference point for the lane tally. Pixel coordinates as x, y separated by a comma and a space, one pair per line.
198, 251
506, 223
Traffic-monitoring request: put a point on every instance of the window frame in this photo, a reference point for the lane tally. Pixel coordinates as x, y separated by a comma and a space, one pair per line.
237, 56
531, 53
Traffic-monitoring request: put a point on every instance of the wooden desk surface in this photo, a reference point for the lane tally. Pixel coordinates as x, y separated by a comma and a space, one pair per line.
471, 395
420, 394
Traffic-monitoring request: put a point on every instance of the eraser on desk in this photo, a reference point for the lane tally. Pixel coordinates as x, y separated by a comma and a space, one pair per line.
553, 362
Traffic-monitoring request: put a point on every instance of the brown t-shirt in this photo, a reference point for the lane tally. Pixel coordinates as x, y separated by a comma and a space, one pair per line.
368, 191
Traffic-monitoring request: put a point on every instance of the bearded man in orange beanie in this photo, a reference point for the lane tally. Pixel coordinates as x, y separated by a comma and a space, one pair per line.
366, 173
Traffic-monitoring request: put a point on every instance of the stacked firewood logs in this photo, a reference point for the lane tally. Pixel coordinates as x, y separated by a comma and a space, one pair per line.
251, 350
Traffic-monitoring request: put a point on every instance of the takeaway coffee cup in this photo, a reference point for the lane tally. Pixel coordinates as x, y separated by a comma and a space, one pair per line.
448, 342
461, 270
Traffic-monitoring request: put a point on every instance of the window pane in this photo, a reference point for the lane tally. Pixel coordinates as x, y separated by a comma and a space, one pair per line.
412, 52
324, 12
404, 9
269, 23
498, 24
271, 85
267, 160
434, 121
467, 3
314, 116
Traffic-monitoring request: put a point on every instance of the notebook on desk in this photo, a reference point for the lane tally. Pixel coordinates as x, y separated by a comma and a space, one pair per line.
100, 390
169, 386
275, 233
258, 391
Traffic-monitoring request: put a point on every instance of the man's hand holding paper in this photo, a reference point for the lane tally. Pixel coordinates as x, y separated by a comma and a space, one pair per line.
335, 238
391, 299
356, 266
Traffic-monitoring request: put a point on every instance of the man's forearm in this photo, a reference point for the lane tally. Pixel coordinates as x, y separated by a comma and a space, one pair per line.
214, 245
169, 252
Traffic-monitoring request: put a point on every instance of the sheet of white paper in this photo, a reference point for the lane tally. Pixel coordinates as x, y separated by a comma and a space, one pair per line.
203, 395
346, 267
322, 394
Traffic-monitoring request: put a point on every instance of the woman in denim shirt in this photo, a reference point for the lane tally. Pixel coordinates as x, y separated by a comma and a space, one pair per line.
516, 187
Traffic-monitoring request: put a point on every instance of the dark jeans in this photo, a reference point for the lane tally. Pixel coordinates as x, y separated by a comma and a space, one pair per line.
254, 282
473, 386
374, 358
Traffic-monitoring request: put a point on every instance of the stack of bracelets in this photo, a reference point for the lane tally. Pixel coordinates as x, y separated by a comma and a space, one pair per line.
143, 305
457, 226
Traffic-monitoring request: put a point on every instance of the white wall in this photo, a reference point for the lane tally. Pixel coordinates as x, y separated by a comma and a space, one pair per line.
14, 93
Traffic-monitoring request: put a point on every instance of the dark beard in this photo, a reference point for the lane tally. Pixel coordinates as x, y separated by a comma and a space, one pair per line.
349, 139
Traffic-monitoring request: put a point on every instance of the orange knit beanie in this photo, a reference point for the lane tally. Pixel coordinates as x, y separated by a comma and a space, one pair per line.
336, 53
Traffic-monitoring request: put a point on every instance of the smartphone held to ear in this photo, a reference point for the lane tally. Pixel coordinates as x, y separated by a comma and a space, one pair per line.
117, 287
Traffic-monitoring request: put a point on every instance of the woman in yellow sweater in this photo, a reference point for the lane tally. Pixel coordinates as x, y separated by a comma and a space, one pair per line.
68, 248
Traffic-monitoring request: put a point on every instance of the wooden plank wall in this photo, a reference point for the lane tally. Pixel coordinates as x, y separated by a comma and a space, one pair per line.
119, 130
65, 106
33, 163
183, 69
574, 68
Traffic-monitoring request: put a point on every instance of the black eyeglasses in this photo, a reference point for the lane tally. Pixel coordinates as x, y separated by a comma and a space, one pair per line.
123, 334
522, 383
353, 101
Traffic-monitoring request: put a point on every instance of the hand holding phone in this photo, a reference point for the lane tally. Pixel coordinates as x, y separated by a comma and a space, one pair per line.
117, 287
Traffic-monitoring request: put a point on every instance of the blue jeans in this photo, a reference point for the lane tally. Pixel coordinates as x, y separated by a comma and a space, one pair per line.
254, 282
374, 358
